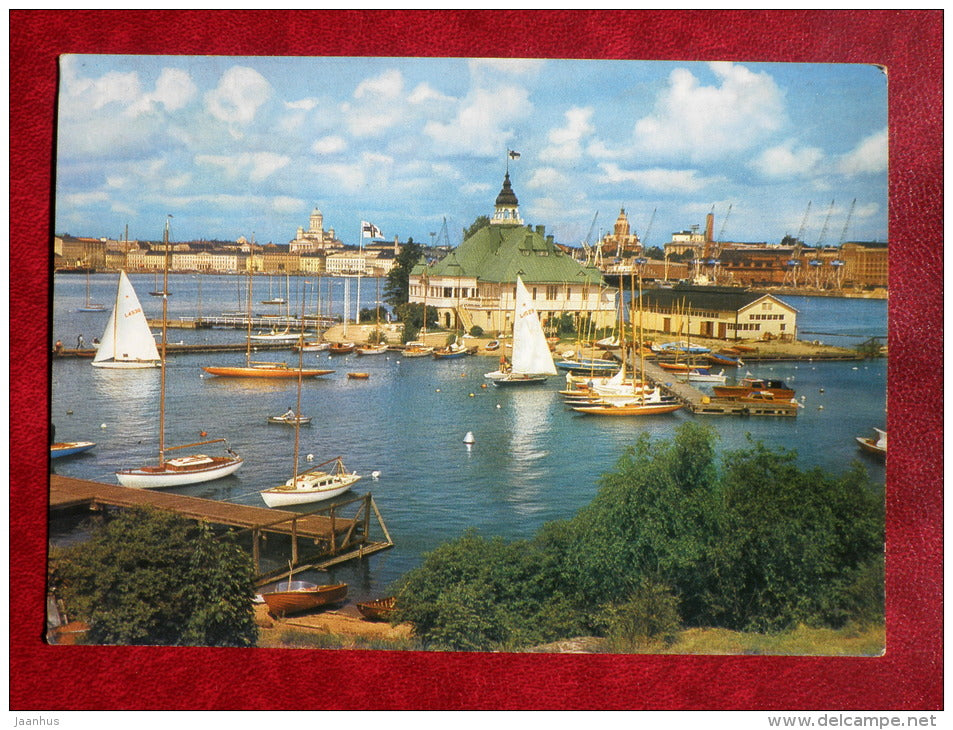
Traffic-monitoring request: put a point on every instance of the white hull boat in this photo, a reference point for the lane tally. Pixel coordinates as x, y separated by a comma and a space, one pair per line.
313, 485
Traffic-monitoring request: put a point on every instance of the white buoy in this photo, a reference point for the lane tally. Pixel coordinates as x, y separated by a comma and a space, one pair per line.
310, 457
468, 439
375, 475
103, 425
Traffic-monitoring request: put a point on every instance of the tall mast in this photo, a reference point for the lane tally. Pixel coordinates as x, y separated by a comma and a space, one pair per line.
165, 312
294, 471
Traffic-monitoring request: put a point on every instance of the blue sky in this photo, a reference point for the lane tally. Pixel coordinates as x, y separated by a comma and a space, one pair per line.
237, 146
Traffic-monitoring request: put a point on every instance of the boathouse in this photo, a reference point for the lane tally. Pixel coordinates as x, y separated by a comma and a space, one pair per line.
721, 312
475, 284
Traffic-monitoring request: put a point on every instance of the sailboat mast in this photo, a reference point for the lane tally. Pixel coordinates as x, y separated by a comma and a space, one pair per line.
165, 313
294, 471
248, 323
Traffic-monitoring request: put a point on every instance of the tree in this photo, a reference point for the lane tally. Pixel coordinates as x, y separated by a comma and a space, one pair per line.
397, 287
480, 222
151, 577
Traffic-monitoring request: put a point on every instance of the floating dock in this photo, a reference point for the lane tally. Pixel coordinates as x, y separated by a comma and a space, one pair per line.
338, 533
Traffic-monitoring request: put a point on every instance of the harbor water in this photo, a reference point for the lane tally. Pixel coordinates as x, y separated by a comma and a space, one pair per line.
533, 460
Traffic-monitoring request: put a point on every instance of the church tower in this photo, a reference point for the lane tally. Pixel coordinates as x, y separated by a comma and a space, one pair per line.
316, 225
506, 210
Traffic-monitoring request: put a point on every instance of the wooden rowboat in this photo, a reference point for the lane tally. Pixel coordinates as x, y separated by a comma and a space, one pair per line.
296, 596
379, 610
359, 376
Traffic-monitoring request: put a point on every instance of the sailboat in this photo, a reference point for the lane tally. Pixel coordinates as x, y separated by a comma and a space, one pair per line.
261, 368
127, 341
90, 306
312, 485
190, 469
532, 360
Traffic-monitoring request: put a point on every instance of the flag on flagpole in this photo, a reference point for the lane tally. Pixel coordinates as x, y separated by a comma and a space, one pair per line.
369, 230
514, 155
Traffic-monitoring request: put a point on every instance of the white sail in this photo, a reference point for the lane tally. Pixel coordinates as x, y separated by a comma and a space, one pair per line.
127, 342
531, 355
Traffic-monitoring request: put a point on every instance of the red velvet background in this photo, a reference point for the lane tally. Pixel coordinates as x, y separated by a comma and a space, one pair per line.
909, 676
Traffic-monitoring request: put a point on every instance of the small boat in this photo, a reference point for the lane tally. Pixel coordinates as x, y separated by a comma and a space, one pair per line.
264, 370
275, 336
416, 349
634, 408
296, 596
127, 341
274, 300
676, 367
750, 385
492, 346
359, 376
371, 349
341, 348
69, 448
379, 610
588, 365
702, 375
683, 347
718, 358
877, 445
451, 352
290, 420
315, 346
312, 485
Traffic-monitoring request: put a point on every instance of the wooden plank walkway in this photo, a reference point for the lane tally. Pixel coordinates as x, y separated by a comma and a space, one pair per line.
68, 492
703, 404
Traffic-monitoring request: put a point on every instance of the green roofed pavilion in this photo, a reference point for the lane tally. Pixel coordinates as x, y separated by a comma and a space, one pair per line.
474, 285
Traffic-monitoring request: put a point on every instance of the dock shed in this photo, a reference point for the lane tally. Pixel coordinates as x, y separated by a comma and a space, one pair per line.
720, 312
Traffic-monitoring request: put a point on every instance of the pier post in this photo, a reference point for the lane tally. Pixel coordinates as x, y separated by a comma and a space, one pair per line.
256, 551
294, 541
334, 547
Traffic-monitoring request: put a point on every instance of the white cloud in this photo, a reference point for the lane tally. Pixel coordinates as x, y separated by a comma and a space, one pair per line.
869, 157
386, 86
80, 200
547, 178
658, 179
566, 141
238, 96
329, 145
353, 177
424, 93
82, 94
256, 166
711, 122
479, 126
302, 104
784, 161
174, 89
287, 204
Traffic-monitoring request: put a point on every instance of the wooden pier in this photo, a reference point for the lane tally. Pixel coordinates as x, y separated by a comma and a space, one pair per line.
703, 404
338, 533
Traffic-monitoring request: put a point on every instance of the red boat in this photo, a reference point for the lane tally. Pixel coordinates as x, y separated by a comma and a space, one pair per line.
295, 596
747, 386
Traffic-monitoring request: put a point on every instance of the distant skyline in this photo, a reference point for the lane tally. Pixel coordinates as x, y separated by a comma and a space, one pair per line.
249, 146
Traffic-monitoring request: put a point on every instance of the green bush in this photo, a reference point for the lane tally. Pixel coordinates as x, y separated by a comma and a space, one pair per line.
151, 577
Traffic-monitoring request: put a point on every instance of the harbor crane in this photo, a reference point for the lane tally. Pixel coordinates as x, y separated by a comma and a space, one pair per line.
593, 257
